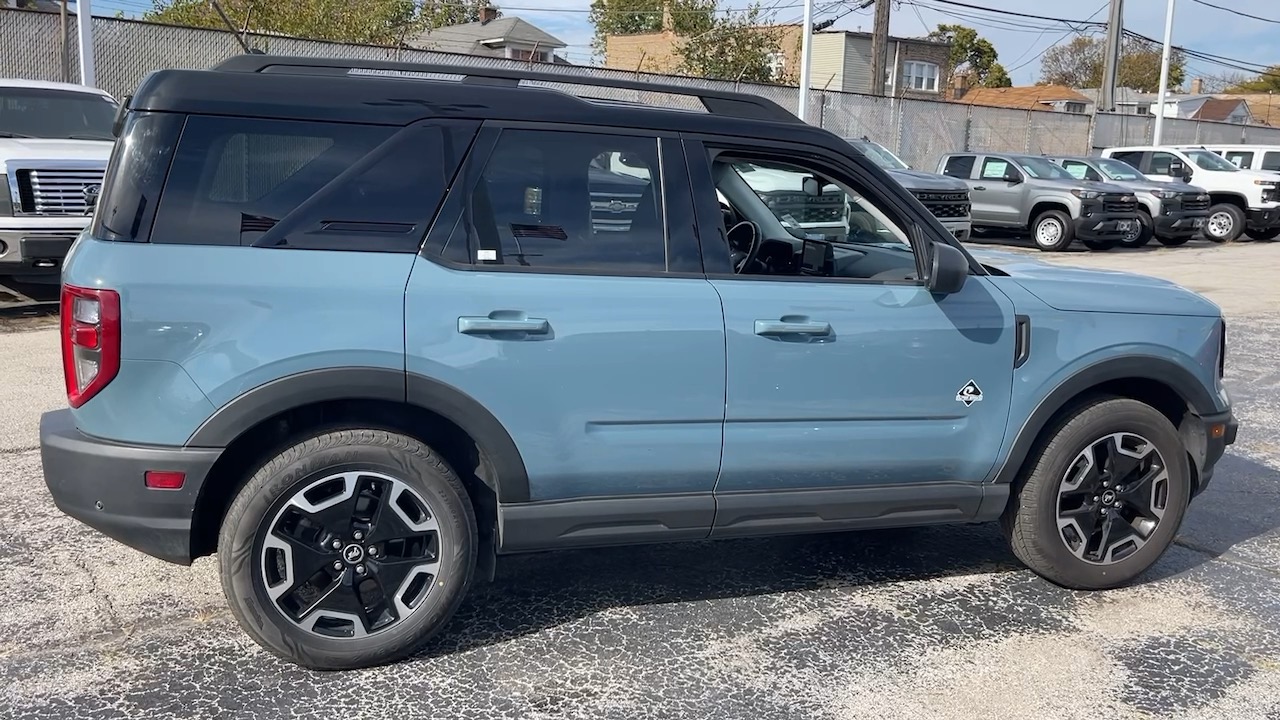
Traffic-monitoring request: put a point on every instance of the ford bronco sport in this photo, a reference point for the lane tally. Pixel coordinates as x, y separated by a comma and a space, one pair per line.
353, 327
1029, 192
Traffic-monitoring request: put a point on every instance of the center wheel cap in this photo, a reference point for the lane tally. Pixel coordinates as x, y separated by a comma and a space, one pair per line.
1108, 497
353, 553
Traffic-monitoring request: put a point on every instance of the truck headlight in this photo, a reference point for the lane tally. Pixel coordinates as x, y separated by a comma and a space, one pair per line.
1166, 194
1086, 194
1266, 183
6, 201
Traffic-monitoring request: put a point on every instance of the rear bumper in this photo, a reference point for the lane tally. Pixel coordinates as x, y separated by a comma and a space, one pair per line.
1225, 427
1105, 227
1264, 219
100, 483
1181, 224
34, 252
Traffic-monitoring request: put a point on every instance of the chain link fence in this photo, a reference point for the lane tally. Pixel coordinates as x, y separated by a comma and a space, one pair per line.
32, 45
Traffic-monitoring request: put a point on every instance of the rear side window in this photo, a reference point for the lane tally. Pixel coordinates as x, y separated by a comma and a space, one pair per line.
1271, 161
135, 176
960, 166
1240, 159
1131, 158
305, 185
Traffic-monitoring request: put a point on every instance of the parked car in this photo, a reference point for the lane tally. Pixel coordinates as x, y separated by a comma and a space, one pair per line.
1173, 213
947, 198
359, 334
1240, 200
1028, 192
55, 139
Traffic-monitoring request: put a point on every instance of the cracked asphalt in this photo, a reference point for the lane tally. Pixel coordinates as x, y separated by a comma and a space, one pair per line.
925, 623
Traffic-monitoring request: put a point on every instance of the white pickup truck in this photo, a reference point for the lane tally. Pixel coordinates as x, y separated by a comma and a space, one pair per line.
1240, 200
55, 140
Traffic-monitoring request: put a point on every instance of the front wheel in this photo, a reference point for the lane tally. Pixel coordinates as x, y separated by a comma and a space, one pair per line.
1174, 241
1052, 231
347, 550
1100, 245
1268, 234
1225, 223
1103, 497
1140, 235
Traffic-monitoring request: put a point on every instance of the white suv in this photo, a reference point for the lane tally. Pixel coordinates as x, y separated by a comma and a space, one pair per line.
55, 140
1241, 200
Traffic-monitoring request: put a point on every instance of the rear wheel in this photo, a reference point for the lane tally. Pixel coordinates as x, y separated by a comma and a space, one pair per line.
1103, 498
1141, 235
1225, 223
1052, 231
1268, 234
347, 550
1174, 241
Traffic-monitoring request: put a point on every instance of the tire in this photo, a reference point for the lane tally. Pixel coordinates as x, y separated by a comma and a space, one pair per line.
414, 484
1146, 230
1052, 231
1175, 241
1031, 520
1225, 223
1268, 234
1100, 245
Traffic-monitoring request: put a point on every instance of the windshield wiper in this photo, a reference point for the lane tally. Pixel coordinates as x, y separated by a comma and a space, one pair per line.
90, 137
7, 134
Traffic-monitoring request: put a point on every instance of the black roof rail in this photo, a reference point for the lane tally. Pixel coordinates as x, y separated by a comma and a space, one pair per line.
717, 102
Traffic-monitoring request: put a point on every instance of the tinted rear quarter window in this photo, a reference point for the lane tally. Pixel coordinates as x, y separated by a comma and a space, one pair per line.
1133, 159
960, 166
135, 177
305, 185
1271, 161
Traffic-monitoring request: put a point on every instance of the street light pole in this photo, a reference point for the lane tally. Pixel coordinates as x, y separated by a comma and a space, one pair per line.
84, 38
1164, 73
806, 54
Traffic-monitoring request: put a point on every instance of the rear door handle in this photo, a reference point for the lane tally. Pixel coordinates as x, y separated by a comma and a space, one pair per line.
775, 328
487, 325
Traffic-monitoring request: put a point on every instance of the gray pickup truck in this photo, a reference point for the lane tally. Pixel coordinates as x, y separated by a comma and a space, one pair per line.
1029, 192
946, 198
1171, 212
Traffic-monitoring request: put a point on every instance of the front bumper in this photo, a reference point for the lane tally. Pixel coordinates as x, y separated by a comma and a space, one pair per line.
1105, 227
1263, 218
34, 252
100, 483
961, 229
1181, 223
1219, 432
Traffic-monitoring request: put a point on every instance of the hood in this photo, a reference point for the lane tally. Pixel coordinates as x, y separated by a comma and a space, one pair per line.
1086, 290
41, 149
1068, 185
1154, 185
917, 180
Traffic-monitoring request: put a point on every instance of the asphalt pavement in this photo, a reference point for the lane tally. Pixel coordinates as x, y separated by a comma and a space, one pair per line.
924, 623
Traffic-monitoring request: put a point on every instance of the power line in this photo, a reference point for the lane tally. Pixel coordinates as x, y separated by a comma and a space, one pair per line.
1021, 15
1074, 31
1233, 11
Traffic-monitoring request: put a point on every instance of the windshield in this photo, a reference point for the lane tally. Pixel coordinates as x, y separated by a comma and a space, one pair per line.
879, 155
55, 114
1116, 170
1042, 169
1208, 161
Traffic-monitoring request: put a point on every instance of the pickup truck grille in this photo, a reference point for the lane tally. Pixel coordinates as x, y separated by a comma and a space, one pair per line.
805, 209
1271, 195
63, 191
1119, 203
1193, 202
945, 205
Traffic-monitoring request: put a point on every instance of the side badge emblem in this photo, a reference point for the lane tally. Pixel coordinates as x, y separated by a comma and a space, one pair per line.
969, 394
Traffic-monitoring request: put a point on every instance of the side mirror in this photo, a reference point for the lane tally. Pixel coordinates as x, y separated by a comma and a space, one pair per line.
948, 271
1012, 176
812, 186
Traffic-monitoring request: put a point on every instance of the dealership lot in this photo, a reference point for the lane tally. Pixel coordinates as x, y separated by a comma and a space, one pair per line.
926, 623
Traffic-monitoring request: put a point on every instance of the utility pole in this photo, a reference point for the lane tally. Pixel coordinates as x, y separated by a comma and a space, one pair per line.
1115, 38
84, 38
806, 55
66, 57
880, 47
1164, 72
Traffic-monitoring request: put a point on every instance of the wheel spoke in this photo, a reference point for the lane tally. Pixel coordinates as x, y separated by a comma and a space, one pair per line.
400, 516
1116, 532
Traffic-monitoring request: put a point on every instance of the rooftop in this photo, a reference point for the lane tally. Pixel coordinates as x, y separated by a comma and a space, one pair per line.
1029, 97
469, 37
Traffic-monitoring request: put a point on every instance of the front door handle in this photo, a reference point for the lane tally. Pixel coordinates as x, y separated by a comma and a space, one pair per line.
487, 325
776, 328
980, 187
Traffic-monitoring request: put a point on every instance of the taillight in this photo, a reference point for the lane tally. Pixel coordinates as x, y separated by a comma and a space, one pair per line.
90, 341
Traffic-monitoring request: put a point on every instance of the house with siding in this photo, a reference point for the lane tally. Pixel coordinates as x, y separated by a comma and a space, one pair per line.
492, 36
1047, 98
841, 59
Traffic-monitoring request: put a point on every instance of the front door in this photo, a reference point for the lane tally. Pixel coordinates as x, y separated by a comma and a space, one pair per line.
556, 298
854, 394
996, 198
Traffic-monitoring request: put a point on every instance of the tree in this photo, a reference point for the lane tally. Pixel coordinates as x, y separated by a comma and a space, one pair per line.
1267, 81
376, 22
1081, 63
737, 47
633, 17
972, 54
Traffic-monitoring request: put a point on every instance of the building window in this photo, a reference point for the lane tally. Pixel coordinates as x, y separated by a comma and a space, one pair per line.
527, 55
1075, 107
777, 65
920, 76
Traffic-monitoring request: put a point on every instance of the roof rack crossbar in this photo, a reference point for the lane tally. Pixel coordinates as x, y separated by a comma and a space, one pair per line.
717, 102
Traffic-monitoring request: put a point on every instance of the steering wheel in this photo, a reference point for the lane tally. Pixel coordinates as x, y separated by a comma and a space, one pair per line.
744, 245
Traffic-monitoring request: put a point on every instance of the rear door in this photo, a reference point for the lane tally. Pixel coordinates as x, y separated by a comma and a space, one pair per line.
568, 300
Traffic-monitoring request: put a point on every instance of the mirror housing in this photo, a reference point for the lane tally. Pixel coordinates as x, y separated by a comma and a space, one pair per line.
948, 270
1012, 176
813, 186
1179, 170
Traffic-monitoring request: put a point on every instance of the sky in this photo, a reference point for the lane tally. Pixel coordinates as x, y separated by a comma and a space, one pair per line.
1020, 41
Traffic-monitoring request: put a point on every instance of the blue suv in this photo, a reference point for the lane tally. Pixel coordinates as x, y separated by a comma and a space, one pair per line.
360, 327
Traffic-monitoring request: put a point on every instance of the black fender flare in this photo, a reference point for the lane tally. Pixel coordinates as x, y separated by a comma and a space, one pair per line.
1146, 367
265, 401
